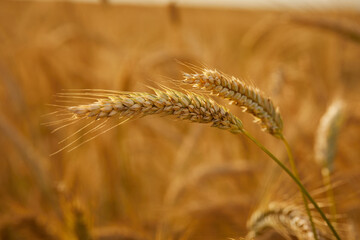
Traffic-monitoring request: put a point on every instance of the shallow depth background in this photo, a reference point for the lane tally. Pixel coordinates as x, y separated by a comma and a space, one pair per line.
125, 183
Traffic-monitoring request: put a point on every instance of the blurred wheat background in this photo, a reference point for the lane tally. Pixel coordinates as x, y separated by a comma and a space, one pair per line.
155, 178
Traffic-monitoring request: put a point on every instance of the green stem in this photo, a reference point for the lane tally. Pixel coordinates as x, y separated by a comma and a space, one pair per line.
264, 149
329, 192
296, 173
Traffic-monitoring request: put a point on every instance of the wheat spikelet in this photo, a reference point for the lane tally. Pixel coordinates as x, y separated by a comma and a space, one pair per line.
327, 134
250, 98
287, 219
184, 106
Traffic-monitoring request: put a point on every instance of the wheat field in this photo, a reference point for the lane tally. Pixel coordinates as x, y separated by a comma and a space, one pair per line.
160, 178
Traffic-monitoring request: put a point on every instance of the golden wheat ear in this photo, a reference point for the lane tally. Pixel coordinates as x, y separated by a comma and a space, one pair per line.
184, 106
325, 147
131, 105
239, 93
327, 134
288, 219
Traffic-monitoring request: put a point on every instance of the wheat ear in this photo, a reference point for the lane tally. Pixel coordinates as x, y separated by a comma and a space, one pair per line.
287, 219
325, 147
327, 135
184, 106
251, 99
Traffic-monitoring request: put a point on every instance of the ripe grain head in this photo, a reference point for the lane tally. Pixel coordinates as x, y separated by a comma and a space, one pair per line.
285, 218
184, 106
251, 99
327, 135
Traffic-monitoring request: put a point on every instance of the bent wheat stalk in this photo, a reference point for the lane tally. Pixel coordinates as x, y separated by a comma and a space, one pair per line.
296, 173
325, 146
297, 181
185, 106
253, 102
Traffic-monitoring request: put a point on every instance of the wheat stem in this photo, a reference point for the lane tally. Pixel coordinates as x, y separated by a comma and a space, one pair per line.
296, 173
329, 192
325, 146
301, 186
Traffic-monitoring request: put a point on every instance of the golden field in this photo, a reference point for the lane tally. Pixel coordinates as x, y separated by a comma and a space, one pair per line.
156, 178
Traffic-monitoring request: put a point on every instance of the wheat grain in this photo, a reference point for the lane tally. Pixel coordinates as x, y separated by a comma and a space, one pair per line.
250, 98
184, 106
287, 219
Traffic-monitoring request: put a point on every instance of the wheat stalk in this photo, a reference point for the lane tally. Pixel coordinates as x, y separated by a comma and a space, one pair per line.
287, 219
253, 102
251, 99
325, 147
184, 106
